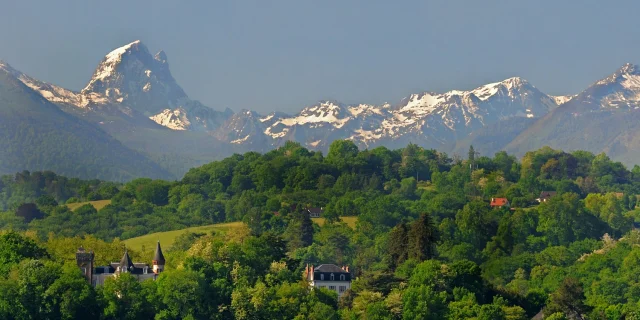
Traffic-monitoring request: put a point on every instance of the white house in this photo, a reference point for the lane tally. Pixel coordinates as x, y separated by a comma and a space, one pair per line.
329, 276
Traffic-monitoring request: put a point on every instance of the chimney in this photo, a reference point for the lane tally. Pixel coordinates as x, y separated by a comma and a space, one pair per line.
311, 271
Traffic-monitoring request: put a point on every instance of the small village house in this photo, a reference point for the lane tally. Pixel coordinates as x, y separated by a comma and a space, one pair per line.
500, 203
315, 212
546, 195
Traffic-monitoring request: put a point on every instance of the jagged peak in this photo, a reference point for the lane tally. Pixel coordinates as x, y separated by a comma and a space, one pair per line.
488, 90
161, 56
515, 80
248, 113
117, 53
8, 68
108, 65
628, 68
324, 105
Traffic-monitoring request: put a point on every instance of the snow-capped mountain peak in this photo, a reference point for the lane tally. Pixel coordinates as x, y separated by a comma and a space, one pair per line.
131, 83
621, 89
131, 76
509, 85
107, 68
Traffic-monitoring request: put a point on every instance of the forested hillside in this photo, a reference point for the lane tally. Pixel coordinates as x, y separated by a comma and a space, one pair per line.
426, 245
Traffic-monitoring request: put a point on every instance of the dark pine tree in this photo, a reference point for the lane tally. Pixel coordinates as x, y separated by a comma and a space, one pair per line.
472, 157
568, 299
299, 232
398, 239
29, 211
306, 229
422, 238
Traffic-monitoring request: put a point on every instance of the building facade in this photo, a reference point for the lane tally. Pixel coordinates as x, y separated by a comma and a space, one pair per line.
315, 212
329, 276
141, 271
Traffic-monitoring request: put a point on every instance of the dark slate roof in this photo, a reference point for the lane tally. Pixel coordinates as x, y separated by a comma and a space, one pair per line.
315, 210
329, 268
100, 269
125, 262
547, 194
158, 256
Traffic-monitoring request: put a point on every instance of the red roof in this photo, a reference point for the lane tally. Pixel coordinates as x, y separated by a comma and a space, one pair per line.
499, 202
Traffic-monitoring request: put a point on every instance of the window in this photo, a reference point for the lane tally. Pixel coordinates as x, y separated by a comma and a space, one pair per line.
332, 288
342, 277
342, 289
332, 277
321, 276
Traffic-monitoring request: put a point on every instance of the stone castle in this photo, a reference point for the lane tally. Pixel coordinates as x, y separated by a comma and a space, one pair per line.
141, 271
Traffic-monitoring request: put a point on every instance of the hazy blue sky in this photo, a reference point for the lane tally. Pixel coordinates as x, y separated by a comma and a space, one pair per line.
283, 55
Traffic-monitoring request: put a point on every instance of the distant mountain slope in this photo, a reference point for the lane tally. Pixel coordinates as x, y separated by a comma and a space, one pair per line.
133, 96
605, 117
37, 135
493, 138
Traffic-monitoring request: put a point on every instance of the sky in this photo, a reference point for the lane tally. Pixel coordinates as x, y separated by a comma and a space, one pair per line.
284, 55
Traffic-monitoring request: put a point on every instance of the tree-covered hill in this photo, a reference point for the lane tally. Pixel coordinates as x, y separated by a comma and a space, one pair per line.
426, 243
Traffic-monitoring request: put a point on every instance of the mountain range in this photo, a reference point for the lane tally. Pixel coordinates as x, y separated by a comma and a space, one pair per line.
133, 119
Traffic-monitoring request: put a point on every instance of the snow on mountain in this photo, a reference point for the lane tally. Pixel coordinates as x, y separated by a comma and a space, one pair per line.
433, 118
175, 119
619, 90
442, 118
245, 127
48, 91
562, 99
130, 75
107, 67
131, 83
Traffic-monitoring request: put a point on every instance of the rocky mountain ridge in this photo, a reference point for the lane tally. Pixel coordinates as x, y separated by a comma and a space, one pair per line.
133, 96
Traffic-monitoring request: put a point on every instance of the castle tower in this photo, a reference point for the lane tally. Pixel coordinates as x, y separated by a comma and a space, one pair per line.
158, 259
125, 263
84, 260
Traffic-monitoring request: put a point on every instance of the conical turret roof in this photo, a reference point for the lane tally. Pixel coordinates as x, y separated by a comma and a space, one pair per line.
125, 263
158, 257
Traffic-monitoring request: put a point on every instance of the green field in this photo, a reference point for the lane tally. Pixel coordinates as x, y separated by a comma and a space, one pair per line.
99, 204
166, 238
350, 221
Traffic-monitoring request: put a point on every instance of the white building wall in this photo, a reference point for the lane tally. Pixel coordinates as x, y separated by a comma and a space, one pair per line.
335, 284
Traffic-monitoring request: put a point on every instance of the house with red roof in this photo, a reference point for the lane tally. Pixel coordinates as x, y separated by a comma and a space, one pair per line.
500, 203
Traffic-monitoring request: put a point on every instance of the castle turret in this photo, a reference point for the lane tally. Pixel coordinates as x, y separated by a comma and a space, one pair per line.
125, 263
84, 260
158, 259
